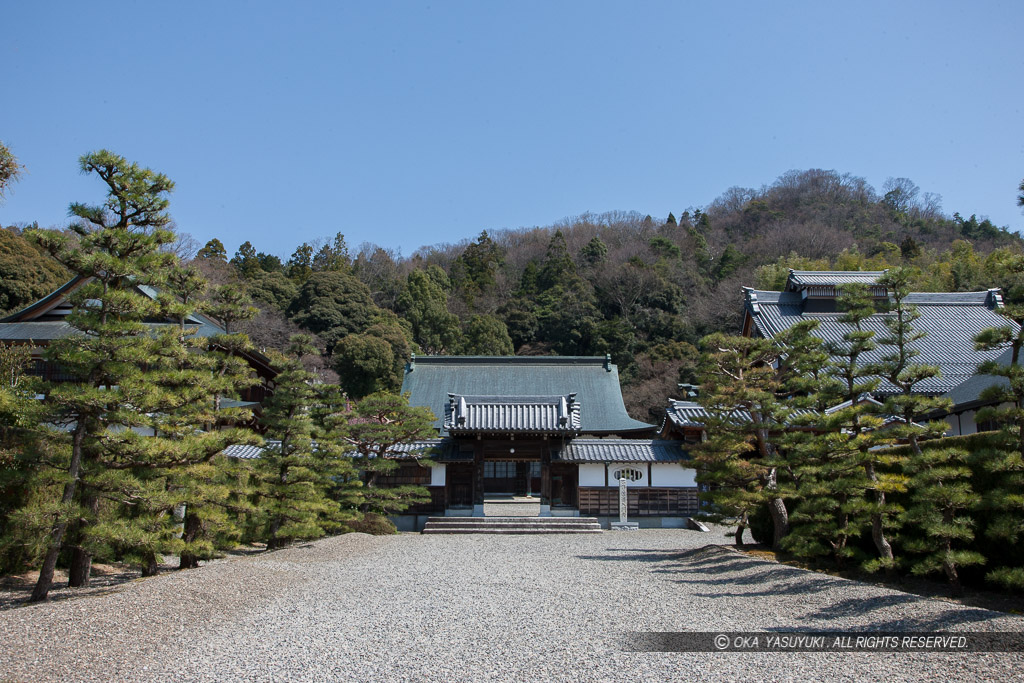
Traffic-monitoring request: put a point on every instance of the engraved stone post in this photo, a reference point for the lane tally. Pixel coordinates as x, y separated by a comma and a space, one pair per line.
624, 524
623, 500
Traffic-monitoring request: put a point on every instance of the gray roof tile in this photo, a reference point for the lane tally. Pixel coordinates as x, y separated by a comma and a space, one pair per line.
950, 319
421, 449
595, 380
533, 414
799, 278
622, 450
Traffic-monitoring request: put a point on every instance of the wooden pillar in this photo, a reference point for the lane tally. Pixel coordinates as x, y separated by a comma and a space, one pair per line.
545, 479
478, 478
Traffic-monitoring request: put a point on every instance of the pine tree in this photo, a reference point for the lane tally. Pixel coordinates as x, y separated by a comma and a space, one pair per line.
369, 435
118, 246
213, 250
940, 493
748, 388
140, 390
18, 481
209, 493
1004, 458
833, 479
292, 476
897, 367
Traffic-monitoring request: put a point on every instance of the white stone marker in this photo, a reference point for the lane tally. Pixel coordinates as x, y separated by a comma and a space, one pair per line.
624, 524
623, 500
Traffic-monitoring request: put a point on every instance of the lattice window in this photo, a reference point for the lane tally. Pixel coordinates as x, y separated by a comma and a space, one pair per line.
628, 473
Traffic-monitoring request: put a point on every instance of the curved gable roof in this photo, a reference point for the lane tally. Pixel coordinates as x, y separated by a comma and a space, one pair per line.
594, 379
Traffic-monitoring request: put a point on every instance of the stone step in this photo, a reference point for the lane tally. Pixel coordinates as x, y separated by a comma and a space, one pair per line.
512, 525
538, 520
486, 530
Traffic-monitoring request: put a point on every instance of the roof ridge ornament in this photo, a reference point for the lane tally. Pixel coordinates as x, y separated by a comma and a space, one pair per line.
751, 297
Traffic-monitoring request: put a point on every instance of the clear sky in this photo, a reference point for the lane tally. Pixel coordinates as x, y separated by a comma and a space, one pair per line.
410, 123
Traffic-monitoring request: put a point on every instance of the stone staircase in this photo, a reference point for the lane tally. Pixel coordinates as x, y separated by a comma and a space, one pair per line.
512, 525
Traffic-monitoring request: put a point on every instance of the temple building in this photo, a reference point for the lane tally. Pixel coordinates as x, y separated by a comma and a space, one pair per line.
950, 321
36, 325
545, 427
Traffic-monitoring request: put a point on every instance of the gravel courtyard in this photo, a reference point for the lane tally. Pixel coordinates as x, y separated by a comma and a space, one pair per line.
473, 608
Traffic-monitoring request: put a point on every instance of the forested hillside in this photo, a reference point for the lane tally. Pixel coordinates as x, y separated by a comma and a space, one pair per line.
640, 288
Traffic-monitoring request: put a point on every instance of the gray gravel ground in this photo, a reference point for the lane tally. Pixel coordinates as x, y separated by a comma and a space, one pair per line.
472, 608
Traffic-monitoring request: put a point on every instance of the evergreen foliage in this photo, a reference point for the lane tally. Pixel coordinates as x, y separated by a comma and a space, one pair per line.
1004, 459
941, 498
424, 303
333, 304
369, 433
748, 390
27, 273
131, 416
293, 478
837, 456
214, 250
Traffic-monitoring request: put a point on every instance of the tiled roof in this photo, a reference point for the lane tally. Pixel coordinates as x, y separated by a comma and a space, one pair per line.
245, 452
950, 319
533, 414
968, 393
427, 448
622, 450
801, 278
415, 449
58, 329
595, 380
693, 414
23, 325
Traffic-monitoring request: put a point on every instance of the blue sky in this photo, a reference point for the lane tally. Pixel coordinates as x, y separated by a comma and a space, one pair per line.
408, 124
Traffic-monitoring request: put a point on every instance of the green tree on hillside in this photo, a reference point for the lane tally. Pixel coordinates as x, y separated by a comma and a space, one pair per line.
424, 303
27, 273
332, 256
245, 260
332, 305
486, 335
214, 249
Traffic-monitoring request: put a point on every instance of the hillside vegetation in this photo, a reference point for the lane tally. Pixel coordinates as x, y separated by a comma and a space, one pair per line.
642, 289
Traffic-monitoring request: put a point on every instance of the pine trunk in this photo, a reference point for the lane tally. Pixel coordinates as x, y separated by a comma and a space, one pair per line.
273, 542
740, 529
780, 521
152, 565
192, 527
42, 588
80, 571
948, 566
877, 530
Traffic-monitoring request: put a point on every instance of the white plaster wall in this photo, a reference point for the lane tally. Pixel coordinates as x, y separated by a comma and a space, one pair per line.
672, 474
437, 475
591, 474
961, 424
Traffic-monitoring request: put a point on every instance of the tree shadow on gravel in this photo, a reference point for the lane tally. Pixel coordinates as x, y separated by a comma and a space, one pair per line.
859, 607
724, 573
